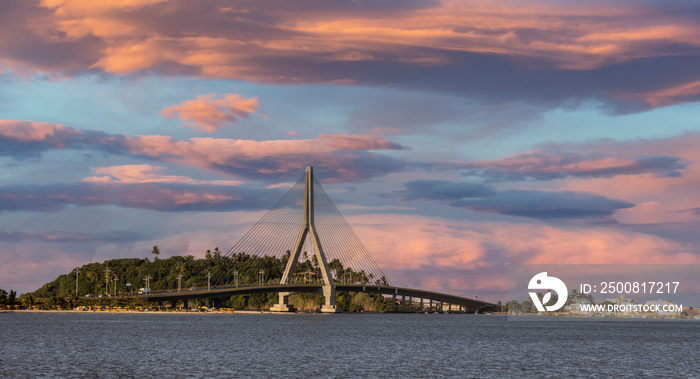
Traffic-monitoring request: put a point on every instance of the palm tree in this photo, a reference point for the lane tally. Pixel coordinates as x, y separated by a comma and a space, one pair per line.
28, 300
155, 252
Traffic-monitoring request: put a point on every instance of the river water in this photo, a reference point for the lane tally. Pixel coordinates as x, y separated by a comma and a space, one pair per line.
341, 345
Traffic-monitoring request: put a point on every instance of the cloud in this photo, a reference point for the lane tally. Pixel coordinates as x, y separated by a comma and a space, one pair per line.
144, 173
22, 139
153, 196
358, 142
661, 97
70, 237
206, 113
443, 190
659, 183
462, 256
337, 157
541, 205
411, 242
627, 56
545, 205
550, 165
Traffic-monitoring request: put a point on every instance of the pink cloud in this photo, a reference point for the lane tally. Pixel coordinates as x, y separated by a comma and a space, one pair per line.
342, 157
355, 44
552, 164
683, 93
588, 40
472, 257
30, 131
207, 113
410, 242
358, 142
660, 198
145, 173
659, 176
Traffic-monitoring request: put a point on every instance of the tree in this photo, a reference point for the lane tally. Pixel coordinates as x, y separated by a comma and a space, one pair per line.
12, 298
336, 266
155, 252
27, 300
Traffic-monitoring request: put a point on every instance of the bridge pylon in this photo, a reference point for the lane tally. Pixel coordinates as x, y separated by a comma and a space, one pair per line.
308, 229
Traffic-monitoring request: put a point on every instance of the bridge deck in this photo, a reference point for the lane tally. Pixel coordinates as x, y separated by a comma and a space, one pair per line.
217, 292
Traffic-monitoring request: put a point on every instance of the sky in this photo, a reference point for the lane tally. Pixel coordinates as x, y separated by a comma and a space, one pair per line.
456, 137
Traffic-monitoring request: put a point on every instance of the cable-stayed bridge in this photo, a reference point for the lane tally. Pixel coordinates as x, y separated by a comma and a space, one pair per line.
306, 224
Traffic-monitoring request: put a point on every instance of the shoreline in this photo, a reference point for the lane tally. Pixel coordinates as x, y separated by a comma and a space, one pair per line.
136, 312
246, 311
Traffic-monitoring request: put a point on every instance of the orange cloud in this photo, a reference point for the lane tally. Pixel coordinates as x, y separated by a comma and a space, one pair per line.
81, 18
569, 35
497, 51
208, 113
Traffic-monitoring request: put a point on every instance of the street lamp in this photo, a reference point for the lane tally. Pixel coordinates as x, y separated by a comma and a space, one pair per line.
209, 281
146, 279
115, 285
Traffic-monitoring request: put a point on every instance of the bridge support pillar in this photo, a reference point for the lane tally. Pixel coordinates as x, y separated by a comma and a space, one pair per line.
420, 307
393, 302
329, 306
403, 302
283, 305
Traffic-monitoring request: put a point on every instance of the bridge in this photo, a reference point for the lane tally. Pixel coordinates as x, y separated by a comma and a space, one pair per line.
408, 295
288, 231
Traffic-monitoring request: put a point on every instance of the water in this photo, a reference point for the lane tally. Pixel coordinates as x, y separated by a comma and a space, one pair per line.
342, 345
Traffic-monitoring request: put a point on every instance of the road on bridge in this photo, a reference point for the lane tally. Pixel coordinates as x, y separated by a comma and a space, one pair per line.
472, 305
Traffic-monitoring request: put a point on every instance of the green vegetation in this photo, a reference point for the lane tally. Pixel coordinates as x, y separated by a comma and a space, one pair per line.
98, 279
8, 300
